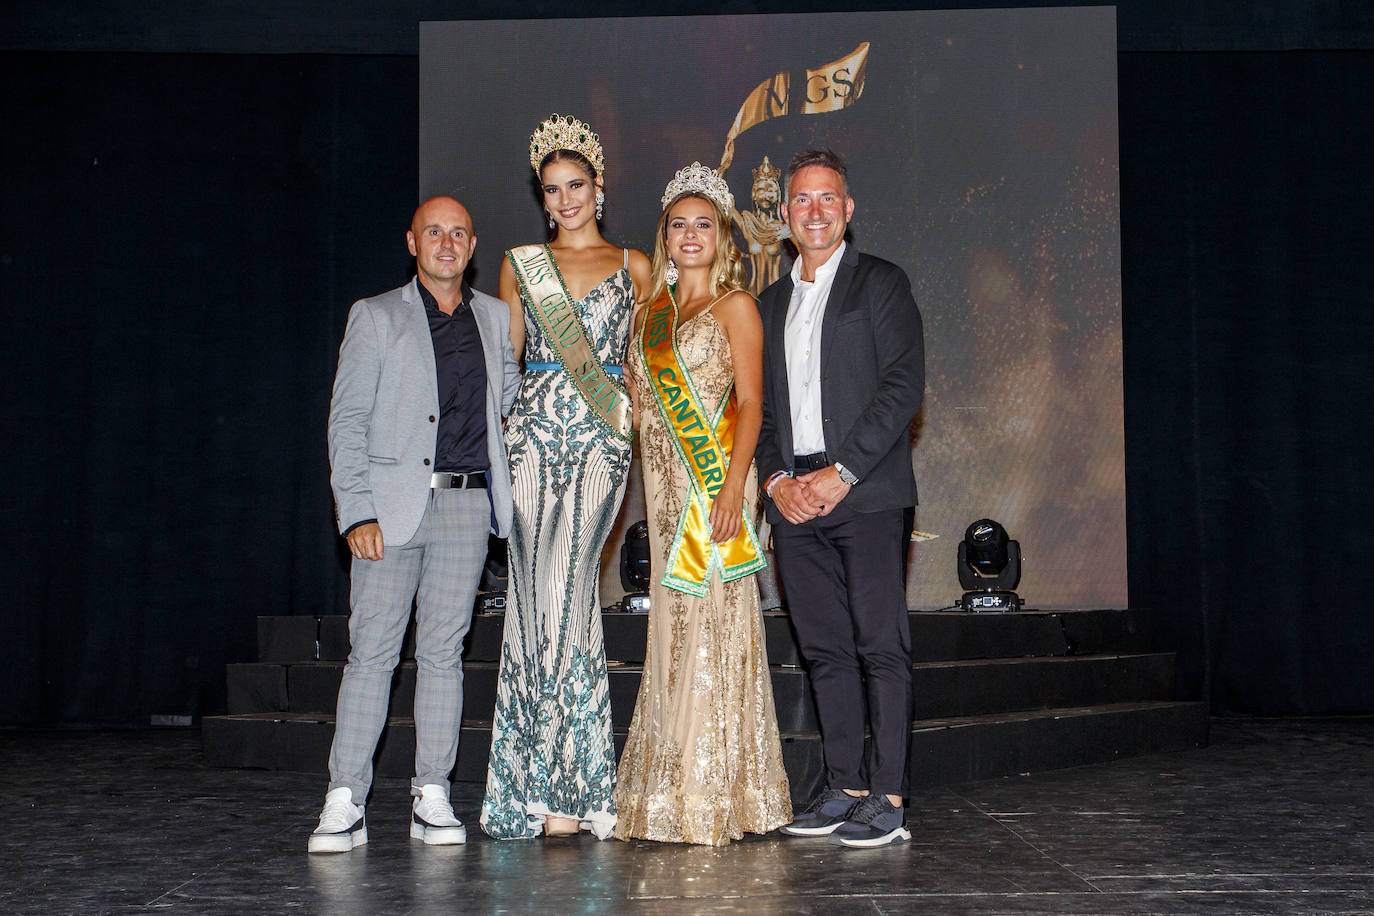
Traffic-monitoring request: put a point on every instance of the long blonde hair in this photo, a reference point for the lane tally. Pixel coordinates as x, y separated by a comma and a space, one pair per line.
728, 263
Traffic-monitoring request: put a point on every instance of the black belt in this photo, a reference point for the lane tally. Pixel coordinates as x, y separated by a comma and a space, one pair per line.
811, 462
447, 480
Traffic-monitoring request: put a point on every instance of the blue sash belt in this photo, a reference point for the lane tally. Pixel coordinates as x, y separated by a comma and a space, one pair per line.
555, 367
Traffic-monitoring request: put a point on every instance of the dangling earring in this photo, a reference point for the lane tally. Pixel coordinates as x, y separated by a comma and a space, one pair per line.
550, 216
671, 273
600, 202
720, 281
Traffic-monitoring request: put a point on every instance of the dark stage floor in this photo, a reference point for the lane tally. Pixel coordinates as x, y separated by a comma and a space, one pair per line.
1276, 816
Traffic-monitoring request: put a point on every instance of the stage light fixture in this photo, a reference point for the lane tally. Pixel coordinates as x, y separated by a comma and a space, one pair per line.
634, 567
491, 590
989, 568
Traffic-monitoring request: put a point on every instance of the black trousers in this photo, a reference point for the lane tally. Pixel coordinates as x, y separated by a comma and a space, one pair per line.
843, 575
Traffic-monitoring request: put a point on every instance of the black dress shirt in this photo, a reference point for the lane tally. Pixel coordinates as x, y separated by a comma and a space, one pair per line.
460, 368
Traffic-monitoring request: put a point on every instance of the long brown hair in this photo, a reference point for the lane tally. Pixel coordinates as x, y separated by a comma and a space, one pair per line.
727, 263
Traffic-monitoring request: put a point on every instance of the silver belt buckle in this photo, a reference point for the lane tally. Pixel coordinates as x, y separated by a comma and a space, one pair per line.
446, 480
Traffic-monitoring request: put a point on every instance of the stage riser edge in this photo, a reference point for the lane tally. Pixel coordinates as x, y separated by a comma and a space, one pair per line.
940, 690
935, 636
958, 751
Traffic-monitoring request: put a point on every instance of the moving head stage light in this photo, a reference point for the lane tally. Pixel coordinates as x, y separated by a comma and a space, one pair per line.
634, 567
989, 568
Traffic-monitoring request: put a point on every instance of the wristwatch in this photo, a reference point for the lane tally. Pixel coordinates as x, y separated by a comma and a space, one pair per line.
846, 474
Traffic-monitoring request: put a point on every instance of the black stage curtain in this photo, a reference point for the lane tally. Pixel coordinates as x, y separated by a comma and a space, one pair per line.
370, 27
183, 234
1247, 247
183, 238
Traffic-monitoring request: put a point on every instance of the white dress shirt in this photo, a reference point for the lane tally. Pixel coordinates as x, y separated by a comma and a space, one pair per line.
802, 346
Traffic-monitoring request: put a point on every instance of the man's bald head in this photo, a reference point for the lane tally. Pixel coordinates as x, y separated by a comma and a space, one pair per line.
442, 239
444, 208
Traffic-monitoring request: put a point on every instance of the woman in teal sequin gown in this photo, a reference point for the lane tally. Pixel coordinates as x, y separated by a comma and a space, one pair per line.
552, 767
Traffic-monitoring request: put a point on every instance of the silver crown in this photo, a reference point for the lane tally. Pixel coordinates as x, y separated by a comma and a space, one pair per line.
702, 180
565, 132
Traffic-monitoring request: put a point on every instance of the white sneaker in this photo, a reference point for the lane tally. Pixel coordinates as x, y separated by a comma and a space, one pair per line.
432, 820
342, 824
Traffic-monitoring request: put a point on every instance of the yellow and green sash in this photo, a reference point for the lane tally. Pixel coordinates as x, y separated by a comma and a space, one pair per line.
704, 443
546, 295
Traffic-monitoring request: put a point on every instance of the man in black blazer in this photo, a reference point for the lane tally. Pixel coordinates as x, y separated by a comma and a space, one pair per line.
844, 372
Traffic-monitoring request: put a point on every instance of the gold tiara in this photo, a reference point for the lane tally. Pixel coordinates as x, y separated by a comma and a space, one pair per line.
700, 179
565, 132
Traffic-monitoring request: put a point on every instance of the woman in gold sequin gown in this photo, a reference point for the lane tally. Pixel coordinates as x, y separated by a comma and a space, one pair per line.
703, 761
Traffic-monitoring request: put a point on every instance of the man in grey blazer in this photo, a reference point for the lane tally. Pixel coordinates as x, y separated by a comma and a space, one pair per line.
426, 373
844, 373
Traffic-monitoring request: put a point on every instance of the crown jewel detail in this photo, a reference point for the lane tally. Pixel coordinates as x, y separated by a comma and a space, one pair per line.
566, 132
702, 180
766, 172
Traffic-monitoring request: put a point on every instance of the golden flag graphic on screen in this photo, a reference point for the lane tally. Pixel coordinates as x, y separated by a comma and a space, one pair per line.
828, 87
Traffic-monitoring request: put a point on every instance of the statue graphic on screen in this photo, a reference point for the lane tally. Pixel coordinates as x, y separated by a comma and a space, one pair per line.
763, 229
828, 88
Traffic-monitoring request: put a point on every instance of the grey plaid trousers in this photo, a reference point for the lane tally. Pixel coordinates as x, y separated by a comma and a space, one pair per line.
439, 568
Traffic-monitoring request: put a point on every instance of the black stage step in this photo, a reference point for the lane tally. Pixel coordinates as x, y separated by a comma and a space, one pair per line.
940, 689
935, 636
943, 751
995, 694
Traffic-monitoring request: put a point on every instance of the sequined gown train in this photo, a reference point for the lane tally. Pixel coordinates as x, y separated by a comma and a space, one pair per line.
551, 748
703, 762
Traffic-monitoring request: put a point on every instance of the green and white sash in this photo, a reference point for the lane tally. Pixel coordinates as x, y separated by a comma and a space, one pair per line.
546, 295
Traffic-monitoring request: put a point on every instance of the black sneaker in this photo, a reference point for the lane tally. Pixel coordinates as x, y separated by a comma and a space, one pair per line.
875, 821
827, 811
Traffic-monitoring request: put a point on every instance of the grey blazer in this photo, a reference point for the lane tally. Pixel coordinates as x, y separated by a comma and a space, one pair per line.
383, 415
872, 380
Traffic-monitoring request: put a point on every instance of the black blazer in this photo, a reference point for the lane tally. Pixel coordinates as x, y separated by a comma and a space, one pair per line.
872, 381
